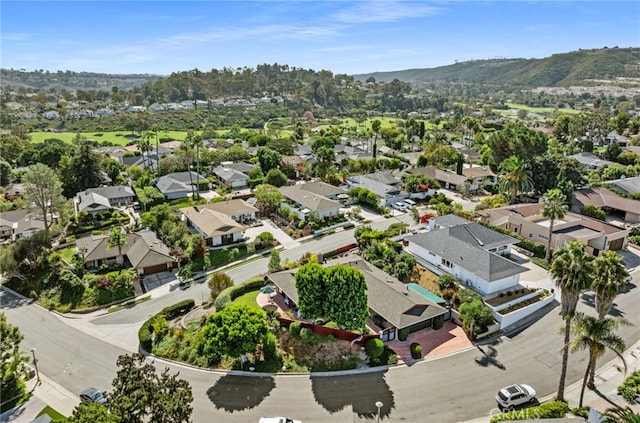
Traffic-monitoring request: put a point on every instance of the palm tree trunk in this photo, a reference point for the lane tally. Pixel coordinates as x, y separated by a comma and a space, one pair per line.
591, 383
584, 382
514, 194
565, 358
549, 241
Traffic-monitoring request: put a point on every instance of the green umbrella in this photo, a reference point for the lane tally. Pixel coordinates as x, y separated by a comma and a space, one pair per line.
267, 289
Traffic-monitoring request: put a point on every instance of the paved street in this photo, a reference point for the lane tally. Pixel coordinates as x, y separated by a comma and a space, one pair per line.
82, 352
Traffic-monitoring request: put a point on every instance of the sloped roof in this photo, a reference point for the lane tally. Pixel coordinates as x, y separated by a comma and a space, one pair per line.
384, 178
321, 188
211, 222
462, 249
111, 192
378, 188
386, 295
438, 174
229, 174
313, 202
185, 178
603, 197
626, 185
167, 185
93, 202
21, 220
231, 207
589, 159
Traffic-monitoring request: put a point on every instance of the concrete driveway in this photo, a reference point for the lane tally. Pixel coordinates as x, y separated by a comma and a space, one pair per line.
268, 226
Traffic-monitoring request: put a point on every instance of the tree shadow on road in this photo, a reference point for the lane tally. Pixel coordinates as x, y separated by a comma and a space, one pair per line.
489, 358
236, 393
360, 391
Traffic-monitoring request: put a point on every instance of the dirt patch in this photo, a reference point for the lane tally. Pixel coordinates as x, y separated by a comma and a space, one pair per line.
509, 296
425, 278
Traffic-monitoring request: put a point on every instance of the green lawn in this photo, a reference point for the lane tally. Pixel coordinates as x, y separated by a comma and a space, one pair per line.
67, 253
118, 137
55, 416
539, 110
248, 299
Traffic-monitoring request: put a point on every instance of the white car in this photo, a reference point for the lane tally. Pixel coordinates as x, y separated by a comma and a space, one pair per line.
400, 206
513, 395
277, 420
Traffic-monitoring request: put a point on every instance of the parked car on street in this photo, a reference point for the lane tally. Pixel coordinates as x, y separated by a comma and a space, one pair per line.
93, 395
513, 395
277, 420
400, 206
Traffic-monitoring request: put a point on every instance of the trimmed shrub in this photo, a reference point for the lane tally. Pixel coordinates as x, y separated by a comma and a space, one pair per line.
295, 328
178, 309
144, 334
332, 325
416, 351
403, 334
233, 292
438, 322
305, 333
374, 347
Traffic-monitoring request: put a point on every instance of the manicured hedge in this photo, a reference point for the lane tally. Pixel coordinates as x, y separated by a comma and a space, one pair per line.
374, 347
438, 322
403, 334
177, 309
233, 292
416, 351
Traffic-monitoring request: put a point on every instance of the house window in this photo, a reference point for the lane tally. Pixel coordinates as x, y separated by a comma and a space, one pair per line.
543, 237
530, 235
447, 263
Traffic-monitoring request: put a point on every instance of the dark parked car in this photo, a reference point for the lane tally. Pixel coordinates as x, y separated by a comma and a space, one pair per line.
93, 395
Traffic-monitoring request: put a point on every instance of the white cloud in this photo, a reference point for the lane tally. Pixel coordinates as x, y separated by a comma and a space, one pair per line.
383, 11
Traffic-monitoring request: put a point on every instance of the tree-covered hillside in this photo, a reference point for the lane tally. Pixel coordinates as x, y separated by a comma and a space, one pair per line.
574, 68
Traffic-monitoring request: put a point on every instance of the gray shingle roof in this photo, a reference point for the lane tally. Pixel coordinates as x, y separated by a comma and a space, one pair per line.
229, 174
461, 246
313, 202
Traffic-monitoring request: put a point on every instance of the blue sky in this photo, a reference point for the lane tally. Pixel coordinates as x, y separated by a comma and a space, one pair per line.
341, 36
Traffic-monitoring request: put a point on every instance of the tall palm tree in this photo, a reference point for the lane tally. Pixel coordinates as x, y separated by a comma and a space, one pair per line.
609, 276
596, 335
514, 177
553, 207
197, 143
117, 239
572, 270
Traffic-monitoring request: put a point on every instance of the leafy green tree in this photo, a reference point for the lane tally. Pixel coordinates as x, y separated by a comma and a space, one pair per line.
43, 188
268, 195
274, 261
609, 276
548, 171
12, 362
514, 177
91, 413
516, 140
346, 297
140, 394
218, 282
572, 270
86, 166
311, 281
268, 159
554, 207
275, 177
5, 173
233, 331
596, 336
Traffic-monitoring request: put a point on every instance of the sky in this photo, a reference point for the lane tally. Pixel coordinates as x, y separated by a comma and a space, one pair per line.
344, 37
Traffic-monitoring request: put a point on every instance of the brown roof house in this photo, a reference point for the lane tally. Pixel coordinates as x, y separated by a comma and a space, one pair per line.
526, 220
217, 228
609, 201
393, 305
143, 252
237, 209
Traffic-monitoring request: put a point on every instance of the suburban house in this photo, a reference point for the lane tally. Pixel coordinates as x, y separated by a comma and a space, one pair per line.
97, 200
614, 137
392, 304
178, 184
626, 185
473, 254
230, 177
526, 220
217, 228
303, 200
143, 252
21, 223
469, 251
237, 209
388, 194
591, 161
626, 209
324, 189
473, 175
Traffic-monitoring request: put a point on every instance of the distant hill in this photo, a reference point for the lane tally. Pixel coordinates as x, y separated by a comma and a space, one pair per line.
581, 67
73, 80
